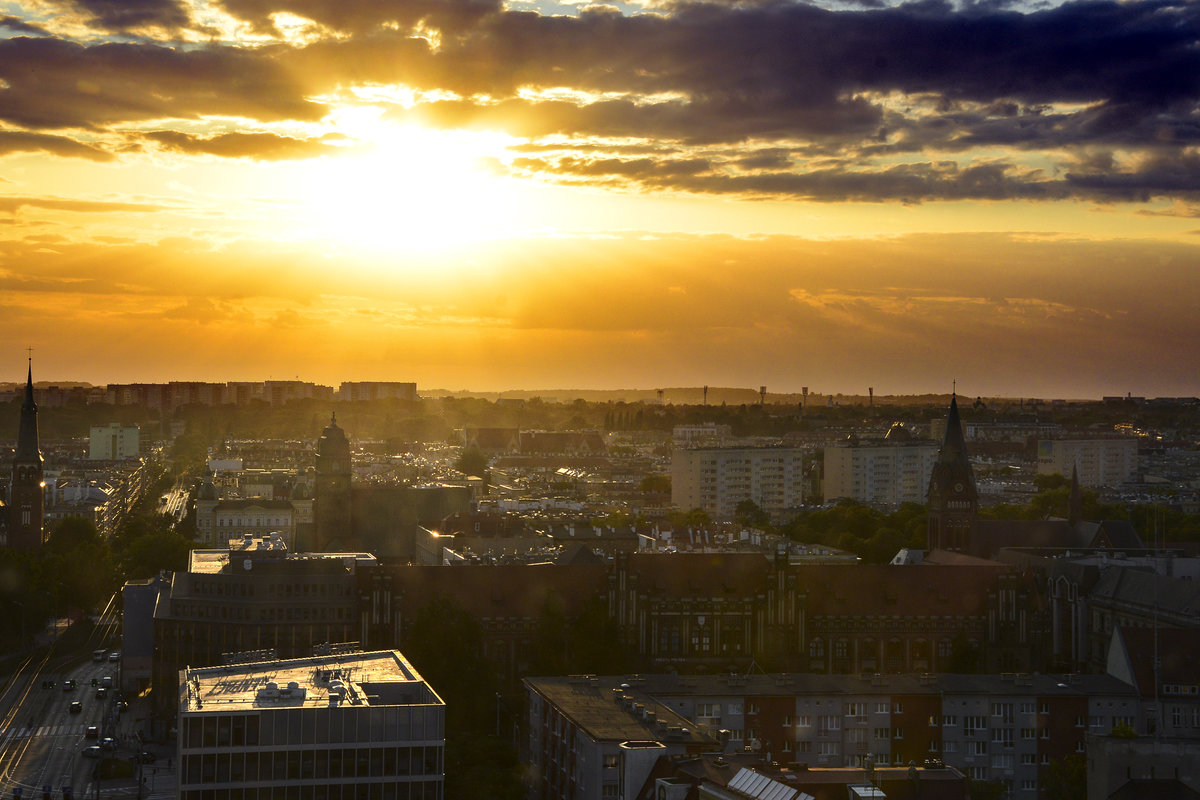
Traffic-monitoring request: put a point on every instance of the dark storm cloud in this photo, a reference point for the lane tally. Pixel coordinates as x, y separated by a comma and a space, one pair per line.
133, 15
18, 25
51, 83
263, 146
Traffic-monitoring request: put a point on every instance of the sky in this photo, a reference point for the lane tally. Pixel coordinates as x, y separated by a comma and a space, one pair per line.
480, 195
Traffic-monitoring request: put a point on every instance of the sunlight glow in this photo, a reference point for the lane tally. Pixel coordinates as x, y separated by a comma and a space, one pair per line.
409, 189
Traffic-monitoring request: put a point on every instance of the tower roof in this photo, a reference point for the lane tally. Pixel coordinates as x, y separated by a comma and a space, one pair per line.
952, 473
27, 435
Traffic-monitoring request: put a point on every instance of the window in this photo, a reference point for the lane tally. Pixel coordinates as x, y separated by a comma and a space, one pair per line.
787, 720
1080, 747
1001, 761
826, 749
609, 789
1043, 708
1028, 733
897, 707
898, 733
1026, 708
949, 720
856, 709
611, 760
1003, 736
974, 724
933, 720
950, 747
827, 724
736, 734
1080, 721
1004, 711
804, 721
708, 710
977, 748
804, 746
882, 708
816, 649
1028, 785
883, 733
1028, 759
934, 747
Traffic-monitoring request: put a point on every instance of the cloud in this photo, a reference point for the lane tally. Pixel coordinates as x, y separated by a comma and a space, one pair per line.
12, 203
133, 15
262, 146
54, 84
25, 142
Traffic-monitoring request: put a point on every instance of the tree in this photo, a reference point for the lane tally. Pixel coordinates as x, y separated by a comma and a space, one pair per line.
656, 484
79, 566
1066, 779
472, 461
750, 513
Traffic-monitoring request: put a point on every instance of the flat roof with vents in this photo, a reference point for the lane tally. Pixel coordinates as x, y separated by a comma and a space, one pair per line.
381, 678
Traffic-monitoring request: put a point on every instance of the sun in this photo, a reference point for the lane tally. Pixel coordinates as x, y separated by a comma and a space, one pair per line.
412, 189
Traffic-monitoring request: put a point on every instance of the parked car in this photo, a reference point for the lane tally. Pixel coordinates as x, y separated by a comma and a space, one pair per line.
76, 706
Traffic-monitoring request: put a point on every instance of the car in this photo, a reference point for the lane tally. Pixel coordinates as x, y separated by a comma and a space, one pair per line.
114, 655
69, 686
101, 693
146, 757
92, 751
108, 743
91, 732
76, 707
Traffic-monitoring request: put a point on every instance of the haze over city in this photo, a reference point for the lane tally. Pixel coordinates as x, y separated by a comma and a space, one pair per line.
525, 195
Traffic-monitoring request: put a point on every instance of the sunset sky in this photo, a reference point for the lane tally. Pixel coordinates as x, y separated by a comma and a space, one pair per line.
488, 195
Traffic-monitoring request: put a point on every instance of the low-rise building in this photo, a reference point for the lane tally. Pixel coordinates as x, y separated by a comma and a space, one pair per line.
338, 727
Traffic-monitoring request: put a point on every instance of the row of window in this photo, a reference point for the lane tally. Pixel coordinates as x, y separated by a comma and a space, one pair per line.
314, 726
380, 790
317, 764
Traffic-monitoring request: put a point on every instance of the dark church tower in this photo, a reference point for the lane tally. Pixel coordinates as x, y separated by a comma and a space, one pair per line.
952, 500
331, 498
27, 500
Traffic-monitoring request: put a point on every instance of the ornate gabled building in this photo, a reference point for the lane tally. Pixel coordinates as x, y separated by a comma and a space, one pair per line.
953, 501
27, 500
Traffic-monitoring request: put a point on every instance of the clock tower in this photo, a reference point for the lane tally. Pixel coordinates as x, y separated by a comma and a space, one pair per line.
331, 498
27, 499
953, 502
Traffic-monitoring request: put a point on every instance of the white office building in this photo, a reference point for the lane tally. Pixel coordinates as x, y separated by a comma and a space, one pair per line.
716, 479
113, 442
1101, 462
335, 727
882, 472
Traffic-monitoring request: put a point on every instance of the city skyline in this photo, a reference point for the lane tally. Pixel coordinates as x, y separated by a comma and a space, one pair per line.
535, 194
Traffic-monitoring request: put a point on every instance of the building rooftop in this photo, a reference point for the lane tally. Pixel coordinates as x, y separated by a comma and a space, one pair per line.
383, 678
255, 550
606, 709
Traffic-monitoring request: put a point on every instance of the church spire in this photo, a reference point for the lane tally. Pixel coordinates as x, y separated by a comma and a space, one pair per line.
27, 502
28, 450
952, 500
